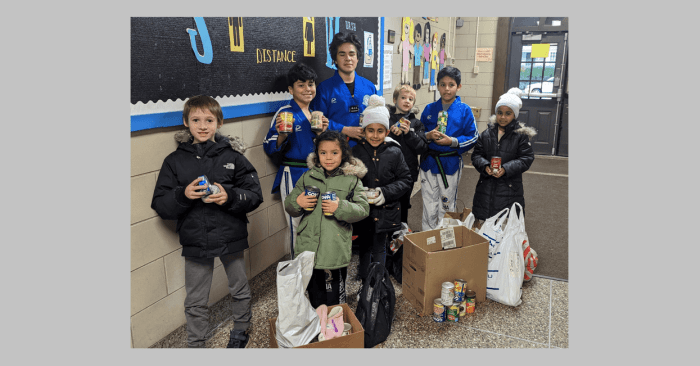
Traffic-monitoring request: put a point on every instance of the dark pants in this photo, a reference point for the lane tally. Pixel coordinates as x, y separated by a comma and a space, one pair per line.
372, 249
405, 201
327, 286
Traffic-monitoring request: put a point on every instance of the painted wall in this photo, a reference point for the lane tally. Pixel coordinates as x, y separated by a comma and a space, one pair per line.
157, 268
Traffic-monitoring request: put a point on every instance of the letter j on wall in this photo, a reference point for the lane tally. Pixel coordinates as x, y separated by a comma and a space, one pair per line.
206, 42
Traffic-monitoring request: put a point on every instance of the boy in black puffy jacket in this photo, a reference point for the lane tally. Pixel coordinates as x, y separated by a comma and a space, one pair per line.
388, 174
411, 136
211, 226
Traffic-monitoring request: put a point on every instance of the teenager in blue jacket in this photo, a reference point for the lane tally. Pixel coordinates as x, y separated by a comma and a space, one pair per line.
345, 95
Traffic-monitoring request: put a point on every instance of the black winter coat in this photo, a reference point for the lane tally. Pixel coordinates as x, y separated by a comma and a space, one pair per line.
386, 169
494, 194
412, 144
208, 230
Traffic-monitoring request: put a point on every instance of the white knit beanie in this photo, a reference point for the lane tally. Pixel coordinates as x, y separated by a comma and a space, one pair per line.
376, 112
511, 99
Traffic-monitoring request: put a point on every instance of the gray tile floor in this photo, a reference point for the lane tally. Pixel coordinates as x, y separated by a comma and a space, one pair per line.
541, 321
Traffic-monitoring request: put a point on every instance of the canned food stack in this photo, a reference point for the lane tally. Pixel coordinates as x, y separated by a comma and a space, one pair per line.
455, 302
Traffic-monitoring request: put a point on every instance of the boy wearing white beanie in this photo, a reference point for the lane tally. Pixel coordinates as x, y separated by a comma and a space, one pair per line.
388, 174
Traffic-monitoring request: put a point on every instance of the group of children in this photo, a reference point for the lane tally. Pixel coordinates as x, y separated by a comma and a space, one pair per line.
371, 170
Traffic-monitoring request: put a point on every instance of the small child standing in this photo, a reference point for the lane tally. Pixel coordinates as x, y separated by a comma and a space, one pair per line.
289, 150
212, 226
326, 229
510, 140
411, 136
441, 165
388, 174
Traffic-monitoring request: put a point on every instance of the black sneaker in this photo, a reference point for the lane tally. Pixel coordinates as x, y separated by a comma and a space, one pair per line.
237, 339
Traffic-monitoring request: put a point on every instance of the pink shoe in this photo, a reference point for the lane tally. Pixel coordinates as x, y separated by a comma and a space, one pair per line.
334, 323
322, 312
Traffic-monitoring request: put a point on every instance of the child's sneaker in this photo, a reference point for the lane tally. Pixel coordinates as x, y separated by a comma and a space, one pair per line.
237, 339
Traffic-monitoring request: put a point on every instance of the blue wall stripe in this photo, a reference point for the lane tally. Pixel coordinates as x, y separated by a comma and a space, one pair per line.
169, 119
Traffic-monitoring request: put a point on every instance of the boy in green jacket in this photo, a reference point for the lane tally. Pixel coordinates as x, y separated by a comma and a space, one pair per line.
326, 228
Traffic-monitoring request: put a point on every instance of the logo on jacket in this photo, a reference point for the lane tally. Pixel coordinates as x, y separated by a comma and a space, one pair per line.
229, 166
332, 100
297, 128
365, 100
429, 117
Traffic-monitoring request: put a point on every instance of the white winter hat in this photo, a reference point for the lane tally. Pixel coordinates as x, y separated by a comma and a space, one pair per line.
376, 112
511, 99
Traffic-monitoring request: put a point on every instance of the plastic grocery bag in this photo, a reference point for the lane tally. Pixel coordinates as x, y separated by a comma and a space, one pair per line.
493, 230
297, 323
506, 267
446, 222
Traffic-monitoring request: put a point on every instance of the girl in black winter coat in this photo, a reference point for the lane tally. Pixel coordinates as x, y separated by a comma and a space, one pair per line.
388, 173
509, 139
410, 136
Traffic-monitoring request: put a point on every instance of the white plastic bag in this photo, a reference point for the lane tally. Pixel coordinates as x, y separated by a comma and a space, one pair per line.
493, 230
297, 323
506, 267
446, 222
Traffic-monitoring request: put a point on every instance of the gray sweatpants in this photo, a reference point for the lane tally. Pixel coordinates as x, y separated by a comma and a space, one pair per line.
198, 277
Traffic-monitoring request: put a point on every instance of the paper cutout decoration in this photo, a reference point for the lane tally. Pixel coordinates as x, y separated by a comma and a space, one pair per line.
235, 33
332, 27
417, 57
309, 41
426, 53
208, 55
443, 40
405, 48
434, 62
540, 50
369, 49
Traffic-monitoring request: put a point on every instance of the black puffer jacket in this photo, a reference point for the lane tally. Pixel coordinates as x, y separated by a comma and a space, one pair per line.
386, 169
494, 194
208, 230
412, 144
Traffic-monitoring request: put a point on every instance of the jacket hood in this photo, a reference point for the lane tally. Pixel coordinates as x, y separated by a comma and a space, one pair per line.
392, 109
355, 167
236, 142
521, 128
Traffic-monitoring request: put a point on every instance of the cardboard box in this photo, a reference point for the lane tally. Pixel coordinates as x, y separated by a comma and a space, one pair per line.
426, 265
356, 339
461, 216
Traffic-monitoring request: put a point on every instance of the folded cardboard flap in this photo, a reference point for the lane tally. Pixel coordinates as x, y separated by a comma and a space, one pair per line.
461, 216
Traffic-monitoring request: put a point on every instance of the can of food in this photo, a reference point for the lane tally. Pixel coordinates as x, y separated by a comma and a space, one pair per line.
311, 191
448, 293
214, 190
287, 125
438, 311
460, 288
442, 122
471, 301
331, 196
371, 195
453, 313
316, 120
463, 308
495, 163
206, 185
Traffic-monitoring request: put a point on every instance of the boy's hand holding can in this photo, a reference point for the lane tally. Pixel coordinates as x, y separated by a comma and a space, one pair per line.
219, 196
194, 191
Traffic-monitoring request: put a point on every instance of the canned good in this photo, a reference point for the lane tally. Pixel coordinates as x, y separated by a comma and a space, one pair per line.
463, 308
453, 313
214, 190
471, 301
371, 195
439, 314
442, 122
287, 125
311, 191
330, 195
448, 293
205, 182
496, 163
316, 120
460, 288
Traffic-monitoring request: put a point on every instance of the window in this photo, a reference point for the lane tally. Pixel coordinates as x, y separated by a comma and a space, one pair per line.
537, 74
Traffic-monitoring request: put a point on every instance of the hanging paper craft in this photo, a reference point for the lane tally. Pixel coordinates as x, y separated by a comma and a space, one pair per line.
442, 51
235, 33
309, 42
434, 62
426, 54
405, 48
417, 57
540, 50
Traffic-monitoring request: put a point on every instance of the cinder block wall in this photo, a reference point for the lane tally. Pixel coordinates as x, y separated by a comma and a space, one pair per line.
157, 268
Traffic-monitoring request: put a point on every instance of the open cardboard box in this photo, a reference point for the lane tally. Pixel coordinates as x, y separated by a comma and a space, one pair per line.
426, 265
356, 339
461, 216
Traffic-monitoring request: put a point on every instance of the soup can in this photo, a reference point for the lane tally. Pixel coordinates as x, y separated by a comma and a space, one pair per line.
463, 308
205, 182
438, 311
312, 191
330, 195
496, 163
453, 313
442, 122
448, 293
460, 288
371, 195
471, 301
316, 120
287, 125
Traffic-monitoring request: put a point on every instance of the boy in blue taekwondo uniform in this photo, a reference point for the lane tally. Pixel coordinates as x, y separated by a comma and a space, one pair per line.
345, 95
290, 150
441, 165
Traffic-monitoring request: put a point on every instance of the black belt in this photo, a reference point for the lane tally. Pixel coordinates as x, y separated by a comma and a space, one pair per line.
437, 155
295, 162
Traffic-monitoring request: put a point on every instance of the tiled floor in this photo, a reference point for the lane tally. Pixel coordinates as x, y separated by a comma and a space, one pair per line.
541, 321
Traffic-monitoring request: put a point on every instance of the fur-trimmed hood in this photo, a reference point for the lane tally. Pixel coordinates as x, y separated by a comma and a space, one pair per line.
355, 167
236, 142
521, 129
392, 109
